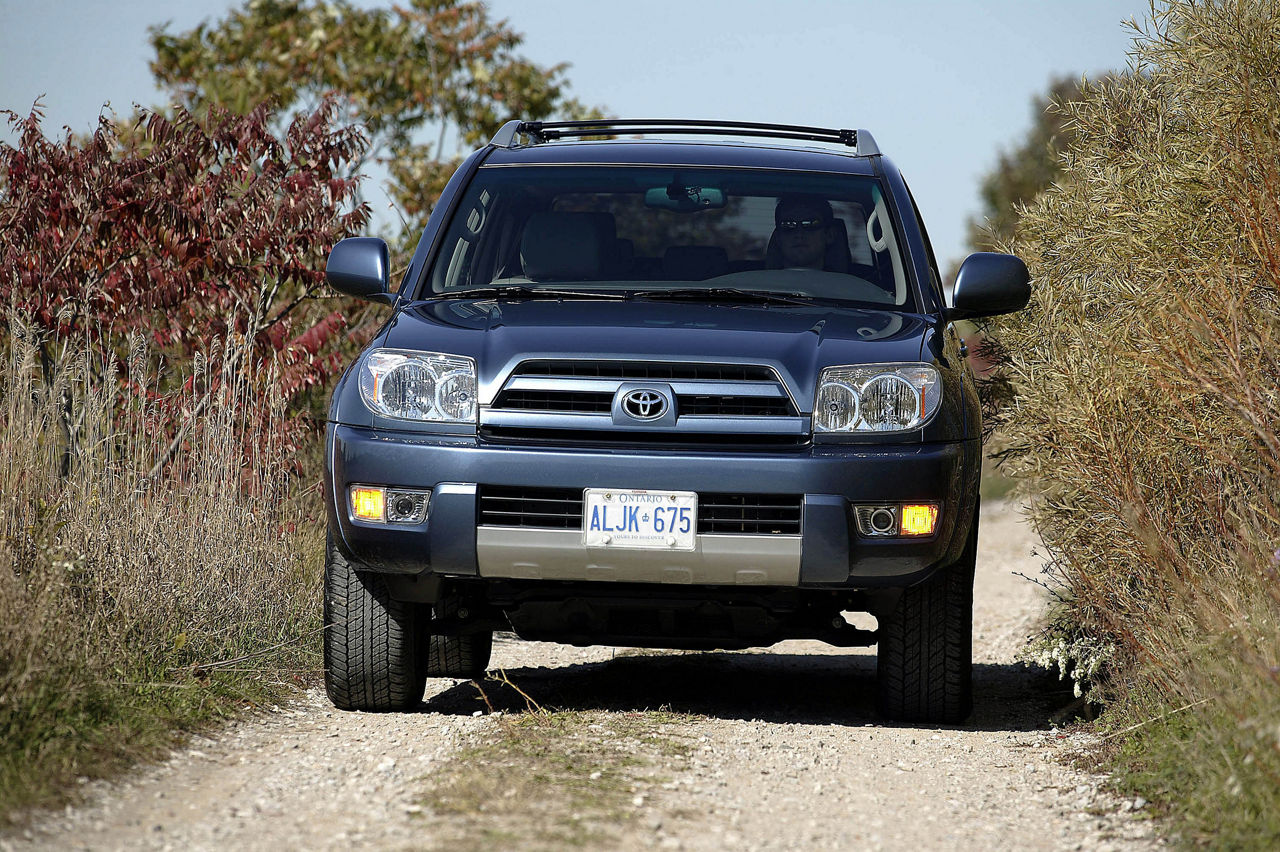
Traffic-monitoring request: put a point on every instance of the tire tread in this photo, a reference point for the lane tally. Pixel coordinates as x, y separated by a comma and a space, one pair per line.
371, 641
924, 664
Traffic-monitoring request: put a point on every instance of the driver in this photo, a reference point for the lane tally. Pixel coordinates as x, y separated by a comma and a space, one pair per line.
802, 231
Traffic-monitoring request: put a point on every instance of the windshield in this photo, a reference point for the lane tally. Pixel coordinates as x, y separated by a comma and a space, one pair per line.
668, 231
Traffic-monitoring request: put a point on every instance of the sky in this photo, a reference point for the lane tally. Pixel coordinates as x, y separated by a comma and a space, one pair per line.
942, 86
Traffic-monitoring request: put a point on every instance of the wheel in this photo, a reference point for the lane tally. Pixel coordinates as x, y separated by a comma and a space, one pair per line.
924, 667
457, 656
372, 644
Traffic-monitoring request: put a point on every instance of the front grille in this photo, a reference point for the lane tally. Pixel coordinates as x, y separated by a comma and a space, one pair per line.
641, 371
590, 402
583, 401
561, 508
547, 508
750, 514
547, 402
612, 439
733, 406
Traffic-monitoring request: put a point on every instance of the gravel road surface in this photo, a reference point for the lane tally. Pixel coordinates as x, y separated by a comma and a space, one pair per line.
782, 750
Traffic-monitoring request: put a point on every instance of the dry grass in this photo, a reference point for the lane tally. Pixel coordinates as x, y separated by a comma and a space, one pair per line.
554, 780
1147, 406
137, 602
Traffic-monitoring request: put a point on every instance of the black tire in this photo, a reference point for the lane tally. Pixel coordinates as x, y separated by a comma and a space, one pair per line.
924, 667
372, 644
457, 656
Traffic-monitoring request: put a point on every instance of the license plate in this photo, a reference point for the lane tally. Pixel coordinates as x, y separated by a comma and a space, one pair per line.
639, 520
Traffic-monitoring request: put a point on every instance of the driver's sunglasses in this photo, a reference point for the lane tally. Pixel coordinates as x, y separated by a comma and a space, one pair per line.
806, 225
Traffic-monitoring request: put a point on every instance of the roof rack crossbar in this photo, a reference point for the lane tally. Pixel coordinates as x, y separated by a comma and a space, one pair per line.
544, 131
549, 135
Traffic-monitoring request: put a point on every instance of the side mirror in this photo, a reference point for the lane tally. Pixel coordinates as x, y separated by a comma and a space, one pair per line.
359, 266
989, 284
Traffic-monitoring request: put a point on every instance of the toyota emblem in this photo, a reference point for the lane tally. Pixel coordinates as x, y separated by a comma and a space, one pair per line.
644, 404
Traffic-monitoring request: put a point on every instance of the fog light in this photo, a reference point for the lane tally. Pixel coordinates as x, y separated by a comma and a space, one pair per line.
407, 507
368, 503
877, 521
919, 520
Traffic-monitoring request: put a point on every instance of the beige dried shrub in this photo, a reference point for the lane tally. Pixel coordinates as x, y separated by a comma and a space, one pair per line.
1145, 374
145, 584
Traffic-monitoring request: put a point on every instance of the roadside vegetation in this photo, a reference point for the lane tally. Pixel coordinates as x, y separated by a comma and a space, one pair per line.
166, 351
1141, 404
158, 549
133, 605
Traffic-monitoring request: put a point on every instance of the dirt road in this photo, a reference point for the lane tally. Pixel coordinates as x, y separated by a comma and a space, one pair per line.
778, 749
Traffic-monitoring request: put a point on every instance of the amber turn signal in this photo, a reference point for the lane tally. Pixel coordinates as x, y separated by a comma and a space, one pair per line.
919, 520
368, 504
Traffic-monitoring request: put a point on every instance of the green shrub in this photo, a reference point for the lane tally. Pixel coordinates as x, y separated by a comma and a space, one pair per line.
1147, 396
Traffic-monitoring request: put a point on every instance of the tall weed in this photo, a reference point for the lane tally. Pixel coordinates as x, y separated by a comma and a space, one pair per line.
1147, 403
156, 566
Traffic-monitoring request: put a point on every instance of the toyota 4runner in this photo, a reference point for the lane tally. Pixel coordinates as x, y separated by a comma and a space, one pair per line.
695, 392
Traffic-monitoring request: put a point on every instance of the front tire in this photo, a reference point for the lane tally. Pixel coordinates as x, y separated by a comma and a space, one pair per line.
924, 667
372, 643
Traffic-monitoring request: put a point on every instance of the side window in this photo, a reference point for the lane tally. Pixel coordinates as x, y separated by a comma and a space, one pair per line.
928, 246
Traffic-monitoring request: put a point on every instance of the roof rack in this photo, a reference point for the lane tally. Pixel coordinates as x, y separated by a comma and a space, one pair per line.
545, 131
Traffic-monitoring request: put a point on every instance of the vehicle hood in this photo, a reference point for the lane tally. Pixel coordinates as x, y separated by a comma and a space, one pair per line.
797, 341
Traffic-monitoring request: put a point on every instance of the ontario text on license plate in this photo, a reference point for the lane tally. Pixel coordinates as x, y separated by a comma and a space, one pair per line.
631, 518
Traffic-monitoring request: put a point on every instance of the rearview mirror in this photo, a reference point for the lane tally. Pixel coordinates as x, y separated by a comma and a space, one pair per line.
989, 284
360, 266
684, 199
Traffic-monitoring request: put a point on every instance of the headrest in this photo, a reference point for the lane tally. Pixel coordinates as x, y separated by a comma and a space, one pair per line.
566, 246
694, 263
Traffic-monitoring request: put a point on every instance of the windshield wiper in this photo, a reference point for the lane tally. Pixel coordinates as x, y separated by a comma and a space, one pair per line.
710, 294
520, 291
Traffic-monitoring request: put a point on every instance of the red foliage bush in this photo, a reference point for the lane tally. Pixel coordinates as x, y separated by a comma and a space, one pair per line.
186, 232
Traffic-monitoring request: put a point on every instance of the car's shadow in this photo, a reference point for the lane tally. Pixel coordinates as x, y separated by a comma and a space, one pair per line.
773, 687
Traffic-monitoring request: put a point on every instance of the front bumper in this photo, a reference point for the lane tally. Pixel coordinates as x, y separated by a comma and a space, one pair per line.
828, 552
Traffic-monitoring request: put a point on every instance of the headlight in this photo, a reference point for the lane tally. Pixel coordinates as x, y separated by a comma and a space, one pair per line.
425, 386
876, 398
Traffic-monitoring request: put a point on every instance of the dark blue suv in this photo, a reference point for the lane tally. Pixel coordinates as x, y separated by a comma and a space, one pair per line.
696, 388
